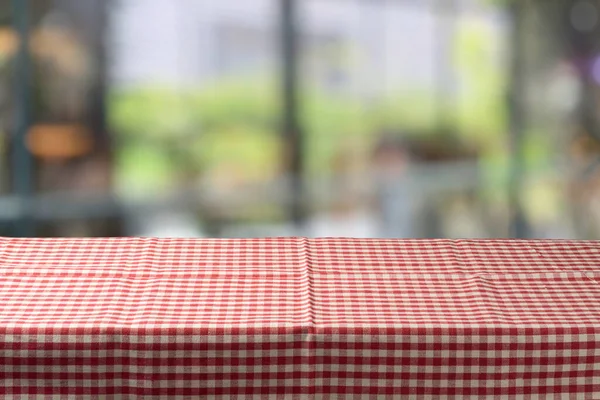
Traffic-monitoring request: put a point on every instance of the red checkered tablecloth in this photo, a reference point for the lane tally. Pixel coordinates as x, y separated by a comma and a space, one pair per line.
297, 318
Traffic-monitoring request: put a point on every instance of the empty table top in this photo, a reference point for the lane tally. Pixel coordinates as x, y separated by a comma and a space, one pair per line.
299, 318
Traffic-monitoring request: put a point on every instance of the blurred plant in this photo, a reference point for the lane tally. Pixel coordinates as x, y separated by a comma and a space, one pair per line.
228, 126
153, 126
232, 126
328, 121
481, 103
236, 124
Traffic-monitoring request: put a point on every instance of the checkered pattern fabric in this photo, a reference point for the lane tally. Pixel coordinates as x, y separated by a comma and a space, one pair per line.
297, 318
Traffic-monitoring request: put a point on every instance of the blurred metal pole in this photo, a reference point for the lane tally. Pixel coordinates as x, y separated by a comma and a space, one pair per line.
292, 134
22, 162
517, 120
100, 9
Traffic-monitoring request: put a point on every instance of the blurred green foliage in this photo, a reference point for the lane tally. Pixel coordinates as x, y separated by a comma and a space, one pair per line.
162, 133
165, 134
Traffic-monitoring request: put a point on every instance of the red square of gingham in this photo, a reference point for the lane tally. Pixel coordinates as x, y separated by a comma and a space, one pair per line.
297, 318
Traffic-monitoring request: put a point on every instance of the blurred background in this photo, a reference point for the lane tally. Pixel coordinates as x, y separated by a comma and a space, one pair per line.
365, 118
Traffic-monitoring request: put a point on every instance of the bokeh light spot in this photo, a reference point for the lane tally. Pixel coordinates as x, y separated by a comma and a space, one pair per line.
584, 16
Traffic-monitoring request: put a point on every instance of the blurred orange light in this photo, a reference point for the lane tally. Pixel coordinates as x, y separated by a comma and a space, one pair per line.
60, 141
8, 42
